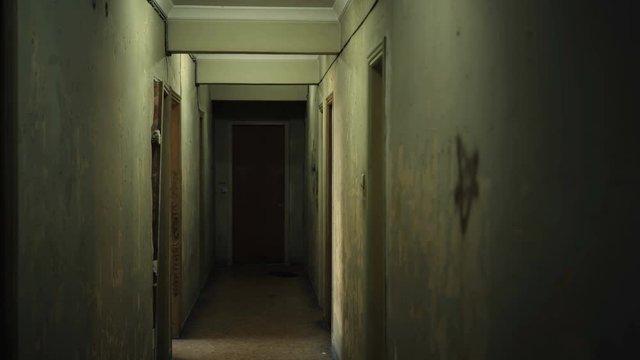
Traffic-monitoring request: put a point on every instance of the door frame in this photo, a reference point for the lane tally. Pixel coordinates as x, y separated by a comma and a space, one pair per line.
329, 181
177, 322
287, 196
379, 57
164, 331
158, 114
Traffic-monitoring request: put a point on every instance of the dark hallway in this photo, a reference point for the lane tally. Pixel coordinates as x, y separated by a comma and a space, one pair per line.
255, 312
448, 179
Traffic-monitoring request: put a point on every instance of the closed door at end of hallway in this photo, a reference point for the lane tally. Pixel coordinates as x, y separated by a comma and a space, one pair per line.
258, 171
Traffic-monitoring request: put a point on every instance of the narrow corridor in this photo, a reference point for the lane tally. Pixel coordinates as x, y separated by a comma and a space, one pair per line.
255, 312
453, 179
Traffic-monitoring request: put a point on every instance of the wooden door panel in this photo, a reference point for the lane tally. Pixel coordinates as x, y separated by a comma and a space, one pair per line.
258, 194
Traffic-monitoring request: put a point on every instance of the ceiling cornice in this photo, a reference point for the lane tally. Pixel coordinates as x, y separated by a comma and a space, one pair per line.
340, 6
191, 12
165, 5
262, 57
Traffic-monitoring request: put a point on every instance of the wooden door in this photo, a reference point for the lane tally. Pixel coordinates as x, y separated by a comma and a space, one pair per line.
163, 304
176, 220
258, 171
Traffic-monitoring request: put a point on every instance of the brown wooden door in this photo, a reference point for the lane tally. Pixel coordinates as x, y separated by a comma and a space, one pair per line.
176, 219
258, 194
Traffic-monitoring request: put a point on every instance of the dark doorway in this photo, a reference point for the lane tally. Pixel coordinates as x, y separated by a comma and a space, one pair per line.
376, 210
328, 268
258, 200
9, 177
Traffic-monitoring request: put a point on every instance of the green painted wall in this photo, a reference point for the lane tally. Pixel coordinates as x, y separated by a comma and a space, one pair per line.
254, 36
346, 80
197, 141
512, 225
85, 102
287, 70
259, 92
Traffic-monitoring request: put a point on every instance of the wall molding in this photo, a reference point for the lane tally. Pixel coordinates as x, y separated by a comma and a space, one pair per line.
258, 69
191, 12
163, 7
258, 57
253, 36
270, 13
340, 6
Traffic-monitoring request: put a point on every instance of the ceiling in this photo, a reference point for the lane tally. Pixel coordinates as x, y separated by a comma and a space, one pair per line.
265, 3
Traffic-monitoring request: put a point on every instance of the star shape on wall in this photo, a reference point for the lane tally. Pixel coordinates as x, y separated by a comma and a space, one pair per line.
467, 189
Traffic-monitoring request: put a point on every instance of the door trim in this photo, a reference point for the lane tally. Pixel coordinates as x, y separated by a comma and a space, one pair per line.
328, 224
287, 189
379, 56
176, 253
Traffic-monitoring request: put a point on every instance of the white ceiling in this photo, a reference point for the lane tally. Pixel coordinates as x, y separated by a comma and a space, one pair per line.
265, 3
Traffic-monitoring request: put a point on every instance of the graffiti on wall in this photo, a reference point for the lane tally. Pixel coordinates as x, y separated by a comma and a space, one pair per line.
467, 189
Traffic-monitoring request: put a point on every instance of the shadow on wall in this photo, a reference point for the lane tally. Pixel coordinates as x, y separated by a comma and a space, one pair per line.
467, 189
314, 175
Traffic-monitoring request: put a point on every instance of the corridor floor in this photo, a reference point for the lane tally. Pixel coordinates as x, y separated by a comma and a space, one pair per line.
249, 313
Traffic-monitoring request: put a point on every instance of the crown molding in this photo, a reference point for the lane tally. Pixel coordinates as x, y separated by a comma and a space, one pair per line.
164, 5
191, 12
340, 6
261, 57
258, 70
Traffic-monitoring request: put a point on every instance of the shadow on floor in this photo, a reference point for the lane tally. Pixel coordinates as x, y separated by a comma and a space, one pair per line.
255, 312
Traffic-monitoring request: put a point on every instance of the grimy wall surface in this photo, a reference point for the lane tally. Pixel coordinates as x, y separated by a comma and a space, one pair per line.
346, 81
225, 114
84, 171
512, 189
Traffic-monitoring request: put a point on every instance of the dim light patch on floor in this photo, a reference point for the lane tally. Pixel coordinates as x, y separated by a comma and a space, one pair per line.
248, 313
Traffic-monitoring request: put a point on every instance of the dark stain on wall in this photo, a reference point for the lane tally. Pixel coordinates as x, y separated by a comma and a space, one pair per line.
467, 189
